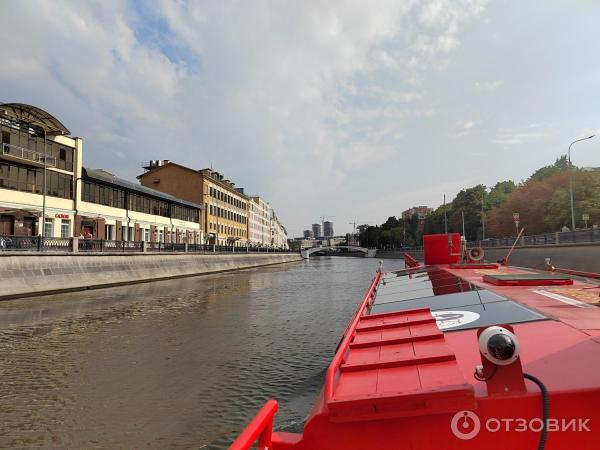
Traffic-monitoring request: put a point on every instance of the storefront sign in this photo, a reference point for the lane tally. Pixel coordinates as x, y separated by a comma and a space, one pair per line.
61, 216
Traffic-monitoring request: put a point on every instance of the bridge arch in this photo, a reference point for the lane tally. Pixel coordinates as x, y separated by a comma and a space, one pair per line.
370, 253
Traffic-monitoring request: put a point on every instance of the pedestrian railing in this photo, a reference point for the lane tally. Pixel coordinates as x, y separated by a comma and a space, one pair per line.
562, 237
20, 243
39, 244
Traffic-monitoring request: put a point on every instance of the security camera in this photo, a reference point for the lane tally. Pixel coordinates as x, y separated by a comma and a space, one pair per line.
499, 345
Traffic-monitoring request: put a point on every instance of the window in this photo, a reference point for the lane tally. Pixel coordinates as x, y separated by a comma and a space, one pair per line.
65, 228
109, 232
146, 235
49, 228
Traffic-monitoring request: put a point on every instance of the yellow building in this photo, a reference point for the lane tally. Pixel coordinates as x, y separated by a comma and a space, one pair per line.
225, 218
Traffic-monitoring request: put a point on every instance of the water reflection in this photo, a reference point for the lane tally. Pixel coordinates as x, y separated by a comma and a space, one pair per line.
178, 364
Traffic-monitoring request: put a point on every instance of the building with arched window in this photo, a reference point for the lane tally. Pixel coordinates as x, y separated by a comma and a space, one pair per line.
44, 189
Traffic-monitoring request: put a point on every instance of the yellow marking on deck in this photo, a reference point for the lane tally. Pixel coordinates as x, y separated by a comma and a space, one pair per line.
487, 271
591, 296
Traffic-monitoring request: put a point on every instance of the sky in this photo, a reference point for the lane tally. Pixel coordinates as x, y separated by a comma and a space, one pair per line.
349, 109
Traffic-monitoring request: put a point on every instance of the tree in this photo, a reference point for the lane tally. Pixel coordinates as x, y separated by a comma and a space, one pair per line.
586, 195
561, 164
434, 222
469, 202
392, 222
530, 201
499, 193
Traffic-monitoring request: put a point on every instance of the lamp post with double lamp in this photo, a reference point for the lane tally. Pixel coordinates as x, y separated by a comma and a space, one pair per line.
571, 180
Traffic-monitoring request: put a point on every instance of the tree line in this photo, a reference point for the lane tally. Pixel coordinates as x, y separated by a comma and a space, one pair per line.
542, 201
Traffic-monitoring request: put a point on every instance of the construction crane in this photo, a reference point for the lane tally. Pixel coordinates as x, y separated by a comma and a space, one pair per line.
354, 225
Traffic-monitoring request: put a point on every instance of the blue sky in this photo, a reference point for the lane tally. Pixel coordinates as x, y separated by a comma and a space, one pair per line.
351, 109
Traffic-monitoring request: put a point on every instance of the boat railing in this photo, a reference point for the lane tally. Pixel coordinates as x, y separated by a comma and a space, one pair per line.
409, 261
347, 337
260, 428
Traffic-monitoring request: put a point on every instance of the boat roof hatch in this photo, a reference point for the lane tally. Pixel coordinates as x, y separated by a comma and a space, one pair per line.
455, 303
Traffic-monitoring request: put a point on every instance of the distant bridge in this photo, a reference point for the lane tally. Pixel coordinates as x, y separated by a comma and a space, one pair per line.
369, 253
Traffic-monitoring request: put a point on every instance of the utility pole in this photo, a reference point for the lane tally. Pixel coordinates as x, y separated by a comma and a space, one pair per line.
445, 217
482, 216
571, 180
354, 234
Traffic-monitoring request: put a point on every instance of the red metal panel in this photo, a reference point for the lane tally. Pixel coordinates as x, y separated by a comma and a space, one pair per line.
441, 248
397, 365
526, 282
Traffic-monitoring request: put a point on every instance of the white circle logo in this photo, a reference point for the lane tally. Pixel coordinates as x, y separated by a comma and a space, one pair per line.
451, 319
465, 425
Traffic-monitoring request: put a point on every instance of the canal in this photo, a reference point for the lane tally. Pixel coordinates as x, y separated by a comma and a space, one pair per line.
173, 364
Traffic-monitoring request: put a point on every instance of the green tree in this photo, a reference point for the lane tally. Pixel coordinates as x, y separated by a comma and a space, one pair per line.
586, 195
561, 164
392, 222
499, 193
469, 202
434, 222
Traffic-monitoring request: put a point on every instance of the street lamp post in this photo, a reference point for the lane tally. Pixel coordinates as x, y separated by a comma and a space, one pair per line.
571, 180
217, 214
44, 196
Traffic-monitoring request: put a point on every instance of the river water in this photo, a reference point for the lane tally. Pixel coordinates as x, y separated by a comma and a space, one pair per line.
173, 364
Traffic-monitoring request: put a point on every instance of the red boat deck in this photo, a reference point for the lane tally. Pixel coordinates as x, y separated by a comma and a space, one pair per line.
399, 365
400, 377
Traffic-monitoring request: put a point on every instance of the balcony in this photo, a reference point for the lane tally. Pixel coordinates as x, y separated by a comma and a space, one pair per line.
21, 154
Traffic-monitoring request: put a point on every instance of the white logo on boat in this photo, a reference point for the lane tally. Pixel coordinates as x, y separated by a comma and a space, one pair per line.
465, 424
451, 319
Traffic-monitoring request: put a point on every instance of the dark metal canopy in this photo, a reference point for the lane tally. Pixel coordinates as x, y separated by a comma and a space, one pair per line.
35, 116
109, 179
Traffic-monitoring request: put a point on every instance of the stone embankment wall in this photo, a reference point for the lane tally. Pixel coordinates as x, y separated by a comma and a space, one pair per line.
398, 254
584, 257
42, 273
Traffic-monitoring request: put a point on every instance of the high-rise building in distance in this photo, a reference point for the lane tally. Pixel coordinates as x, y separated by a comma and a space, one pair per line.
308, 234
316, 229
328, 229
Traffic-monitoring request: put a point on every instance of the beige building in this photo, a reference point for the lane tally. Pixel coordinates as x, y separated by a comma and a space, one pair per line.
45, 189
421, 211
225, 219
38, 162
279, 238
259, 222
115, 209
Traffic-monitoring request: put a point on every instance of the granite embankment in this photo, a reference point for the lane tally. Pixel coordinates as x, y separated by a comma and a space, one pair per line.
42, 273
584, 256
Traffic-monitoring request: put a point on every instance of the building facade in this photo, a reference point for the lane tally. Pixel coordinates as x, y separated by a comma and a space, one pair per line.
45, 190
327, 229
308, 234
421, 211
279, 238
259, 222
39, 162
115, 209
316, 229
225, 218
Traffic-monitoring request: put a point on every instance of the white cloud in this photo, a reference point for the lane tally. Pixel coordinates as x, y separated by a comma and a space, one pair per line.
488, 86
287, 99
517, 137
